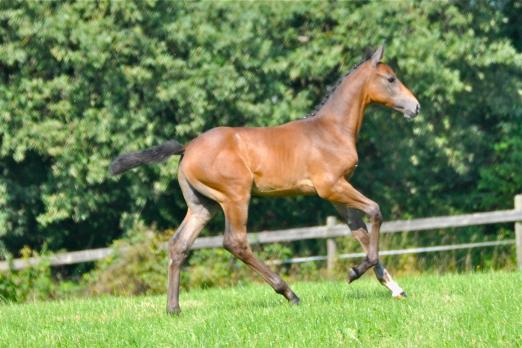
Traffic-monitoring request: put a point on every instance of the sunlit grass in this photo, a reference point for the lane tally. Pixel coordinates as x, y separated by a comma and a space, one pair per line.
469, 310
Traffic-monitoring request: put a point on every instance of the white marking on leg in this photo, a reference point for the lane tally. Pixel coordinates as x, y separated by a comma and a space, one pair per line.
386, 279
395, 289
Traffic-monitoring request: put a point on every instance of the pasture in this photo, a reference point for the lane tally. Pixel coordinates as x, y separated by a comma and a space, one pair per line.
454, 310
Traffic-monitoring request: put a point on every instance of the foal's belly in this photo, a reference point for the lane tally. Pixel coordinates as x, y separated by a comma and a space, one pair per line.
300, 187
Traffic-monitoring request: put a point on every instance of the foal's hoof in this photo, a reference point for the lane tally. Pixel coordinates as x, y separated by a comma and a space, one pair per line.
401, 296
175, 311
353, 275
295, 300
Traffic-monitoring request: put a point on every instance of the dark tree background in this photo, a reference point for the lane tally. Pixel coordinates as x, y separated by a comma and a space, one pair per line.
81, 82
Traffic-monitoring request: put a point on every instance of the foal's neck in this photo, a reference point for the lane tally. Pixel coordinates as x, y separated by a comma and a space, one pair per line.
344, 110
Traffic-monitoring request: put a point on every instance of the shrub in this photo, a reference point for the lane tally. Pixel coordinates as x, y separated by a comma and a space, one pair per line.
33, 283
137, 266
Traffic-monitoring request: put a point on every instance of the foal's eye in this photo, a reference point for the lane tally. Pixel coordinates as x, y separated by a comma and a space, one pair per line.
391, 79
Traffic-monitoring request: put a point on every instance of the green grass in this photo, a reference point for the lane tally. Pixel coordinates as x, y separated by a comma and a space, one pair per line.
467, 310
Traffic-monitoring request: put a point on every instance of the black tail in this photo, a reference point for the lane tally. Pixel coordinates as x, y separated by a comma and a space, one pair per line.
152, 155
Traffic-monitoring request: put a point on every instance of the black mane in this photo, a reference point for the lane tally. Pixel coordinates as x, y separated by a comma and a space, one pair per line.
333, 87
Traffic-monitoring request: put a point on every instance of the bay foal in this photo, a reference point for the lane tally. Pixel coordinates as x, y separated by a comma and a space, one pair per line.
223, 167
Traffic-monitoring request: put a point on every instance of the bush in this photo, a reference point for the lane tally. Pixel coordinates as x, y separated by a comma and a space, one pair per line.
33, 283
137, 266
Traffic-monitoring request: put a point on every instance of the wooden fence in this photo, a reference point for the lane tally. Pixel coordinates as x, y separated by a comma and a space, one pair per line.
331, 230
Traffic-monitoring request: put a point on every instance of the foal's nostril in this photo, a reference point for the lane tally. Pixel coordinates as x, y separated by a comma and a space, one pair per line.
417, 109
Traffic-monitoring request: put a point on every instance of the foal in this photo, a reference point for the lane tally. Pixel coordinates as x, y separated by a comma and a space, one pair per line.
223, 167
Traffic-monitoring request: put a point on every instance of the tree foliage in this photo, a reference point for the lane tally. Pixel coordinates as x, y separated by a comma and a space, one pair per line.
84, 81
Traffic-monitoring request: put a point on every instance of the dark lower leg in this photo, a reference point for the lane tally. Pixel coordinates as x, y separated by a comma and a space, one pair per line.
360, 232
236, 242
373, 245
382, 275
357, 271
173, 292
356, 224
278, 284
346, 199
242, 251
369, 261
175, 262
179, 247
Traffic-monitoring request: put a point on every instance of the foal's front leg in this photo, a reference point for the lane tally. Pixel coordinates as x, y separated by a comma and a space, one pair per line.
360, 232
343, 193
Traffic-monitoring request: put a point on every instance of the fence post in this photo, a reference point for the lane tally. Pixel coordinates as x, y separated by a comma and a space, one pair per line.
331, 248
518, 232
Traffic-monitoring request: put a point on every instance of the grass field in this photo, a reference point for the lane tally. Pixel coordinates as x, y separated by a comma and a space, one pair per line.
470, 310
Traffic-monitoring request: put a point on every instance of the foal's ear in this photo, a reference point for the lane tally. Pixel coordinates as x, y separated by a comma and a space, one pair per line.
377, 55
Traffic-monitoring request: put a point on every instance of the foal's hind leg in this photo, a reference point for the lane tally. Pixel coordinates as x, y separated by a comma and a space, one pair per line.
200, 211
236, 241
360, 232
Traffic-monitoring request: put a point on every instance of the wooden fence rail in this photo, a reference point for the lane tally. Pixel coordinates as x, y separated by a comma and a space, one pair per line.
330, 231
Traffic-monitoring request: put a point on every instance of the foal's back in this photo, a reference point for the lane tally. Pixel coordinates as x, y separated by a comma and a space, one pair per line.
272, 160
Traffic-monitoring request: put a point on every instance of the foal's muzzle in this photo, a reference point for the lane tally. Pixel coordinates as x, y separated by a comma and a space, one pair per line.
409, 107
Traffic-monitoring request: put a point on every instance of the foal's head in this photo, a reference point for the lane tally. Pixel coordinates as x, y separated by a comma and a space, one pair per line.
383, 87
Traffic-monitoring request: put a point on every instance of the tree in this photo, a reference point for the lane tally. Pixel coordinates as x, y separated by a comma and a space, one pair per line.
85, 81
